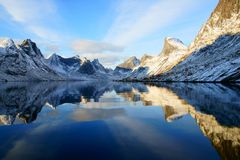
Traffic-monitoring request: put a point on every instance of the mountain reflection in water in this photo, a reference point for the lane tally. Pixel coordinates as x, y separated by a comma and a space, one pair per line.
215, 108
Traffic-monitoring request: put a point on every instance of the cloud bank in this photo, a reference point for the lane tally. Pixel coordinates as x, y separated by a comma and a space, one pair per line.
107, 59
137, 19
35, 16
89, 46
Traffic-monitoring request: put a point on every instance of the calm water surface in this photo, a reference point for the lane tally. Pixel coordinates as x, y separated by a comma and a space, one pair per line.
107, 120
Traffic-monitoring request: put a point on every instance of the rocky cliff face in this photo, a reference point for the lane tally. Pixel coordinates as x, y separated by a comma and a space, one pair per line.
224, 20
173, 52
215, 63
214, 55
23, 62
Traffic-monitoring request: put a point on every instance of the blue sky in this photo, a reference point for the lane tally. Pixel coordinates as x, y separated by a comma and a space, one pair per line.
110, 30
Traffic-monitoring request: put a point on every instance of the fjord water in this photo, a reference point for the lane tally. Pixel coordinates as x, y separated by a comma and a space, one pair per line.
110, 120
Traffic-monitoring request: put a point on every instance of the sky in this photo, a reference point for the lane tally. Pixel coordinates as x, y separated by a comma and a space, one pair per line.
110, 30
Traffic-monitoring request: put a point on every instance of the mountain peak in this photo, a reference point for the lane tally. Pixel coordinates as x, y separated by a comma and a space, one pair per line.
145, 57
96, 61
31, 48
171, 45
84, 60
6, 42
173, 40
54, 54
54, 57
130, 63
28, 43
76, 57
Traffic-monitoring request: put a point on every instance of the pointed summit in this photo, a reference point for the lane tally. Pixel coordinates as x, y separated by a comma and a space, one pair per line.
172, 45
6, 42
31, 48
54, 59
145, 57
84, 60
77, 57
130, 63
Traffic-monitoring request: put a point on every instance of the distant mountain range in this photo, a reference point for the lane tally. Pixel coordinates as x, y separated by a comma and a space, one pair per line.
172, 53
77, 68
214, 56
25, 62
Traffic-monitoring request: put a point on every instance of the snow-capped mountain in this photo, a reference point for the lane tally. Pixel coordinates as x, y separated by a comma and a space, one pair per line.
215, 53
77, 68
130, 63
125, 69
173, 52
92, 67
23, 62
63, 65
121, 73
145, 58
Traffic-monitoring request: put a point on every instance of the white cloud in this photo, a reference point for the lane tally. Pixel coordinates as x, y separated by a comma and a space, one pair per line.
137, 19
34, 16
88, 46
107, 53
28, 10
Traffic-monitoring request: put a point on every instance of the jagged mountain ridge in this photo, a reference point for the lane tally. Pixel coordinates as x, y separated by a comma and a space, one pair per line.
75, 66
25, 62
215, 63
172, 53
63, 65
214, 55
